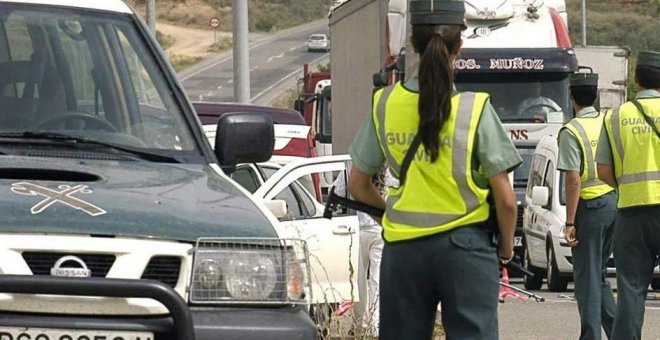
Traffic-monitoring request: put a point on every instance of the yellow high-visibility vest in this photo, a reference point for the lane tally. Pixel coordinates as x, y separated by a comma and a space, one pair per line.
587, 130
636, 153
438, 196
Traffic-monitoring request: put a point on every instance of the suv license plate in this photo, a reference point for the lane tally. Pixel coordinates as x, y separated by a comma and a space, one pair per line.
20, 333
517, 242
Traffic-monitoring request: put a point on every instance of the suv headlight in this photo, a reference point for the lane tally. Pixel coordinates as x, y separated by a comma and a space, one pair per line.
250, 270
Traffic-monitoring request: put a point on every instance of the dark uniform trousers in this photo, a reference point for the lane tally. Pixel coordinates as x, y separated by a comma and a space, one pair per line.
458, 268
594, 227
636, 247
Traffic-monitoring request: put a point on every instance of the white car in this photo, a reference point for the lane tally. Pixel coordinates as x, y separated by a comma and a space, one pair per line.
332, 242
318, 42
546, 250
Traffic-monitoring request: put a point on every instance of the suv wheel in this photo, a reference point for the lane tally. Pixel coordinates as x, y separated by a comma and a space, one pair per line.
556, 283
533, 283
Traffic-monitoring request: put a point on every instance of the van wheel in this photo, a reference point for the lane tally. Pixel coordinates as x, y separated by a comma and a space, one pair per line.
556, 283
655, 284
320, 314
533, 283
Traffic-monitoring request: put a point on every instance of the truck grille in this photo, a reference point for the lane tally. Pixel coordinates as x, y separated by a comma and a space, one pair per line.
164, 269
41, 263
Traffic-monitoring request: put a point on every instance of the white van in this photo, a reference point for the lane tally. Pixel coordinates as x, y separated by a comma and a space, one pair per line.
546, 250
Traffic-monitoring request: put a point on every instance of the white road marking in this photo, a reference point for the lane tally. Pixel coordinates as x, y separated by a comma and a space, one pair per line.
254, 68
274, 57
219, 87
230, 81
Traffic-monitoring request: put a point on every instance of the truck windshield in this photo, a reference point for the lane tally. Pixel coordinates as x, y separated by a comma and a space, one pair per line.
85, 74
522, 97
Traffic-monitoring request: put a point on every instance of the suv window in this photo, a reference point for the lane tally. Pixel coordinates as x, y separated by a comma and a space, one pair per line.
86, 75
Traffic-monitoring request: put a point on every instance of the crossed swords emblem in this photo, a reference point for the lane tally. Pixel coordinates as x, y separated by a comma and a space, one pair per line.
64, 196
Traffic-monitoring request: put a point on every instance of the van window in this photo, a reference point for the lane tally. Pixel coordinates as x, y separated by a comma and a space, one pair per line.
536, 173
549, 182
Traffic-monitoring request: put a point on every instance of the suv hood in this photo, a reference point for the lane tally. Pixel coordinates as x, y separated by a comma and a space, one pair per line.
124, 198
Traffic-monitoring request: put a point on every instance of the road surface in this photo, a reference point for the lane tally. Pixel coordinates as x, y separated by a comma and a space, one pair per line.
554, 319
274, 61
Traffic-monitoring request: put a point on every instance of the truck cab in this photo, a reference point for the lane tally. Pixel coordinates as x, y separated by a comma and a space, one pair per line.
520, 54
119, 219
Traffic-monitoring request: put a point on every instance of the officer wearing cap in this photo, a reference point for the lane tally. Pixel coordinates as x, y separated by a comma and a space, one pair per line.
449, 152
590, 209
628, 158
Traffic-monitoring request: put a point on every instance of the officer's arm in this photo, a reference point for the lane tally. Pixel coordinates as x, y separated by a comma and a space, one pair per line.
506, 207
359, 185
573, 186
606, 174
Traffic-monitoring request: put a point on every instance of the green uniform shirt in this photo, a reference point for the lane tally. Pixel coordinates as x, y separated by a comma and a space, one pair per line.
570, 152
494, 150
604, 151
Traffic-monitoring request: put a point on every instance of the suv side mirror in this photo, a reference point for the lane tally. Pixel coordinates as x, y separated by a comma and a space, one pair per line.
244, 138
540, 196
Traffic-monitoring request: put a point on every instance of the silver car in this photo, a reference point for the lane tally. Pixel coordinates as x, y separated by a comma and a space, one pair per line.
318, 42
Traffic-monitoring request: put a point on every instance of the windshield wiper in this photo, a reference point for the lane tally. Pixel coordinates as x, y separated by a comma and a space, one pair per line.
76, 140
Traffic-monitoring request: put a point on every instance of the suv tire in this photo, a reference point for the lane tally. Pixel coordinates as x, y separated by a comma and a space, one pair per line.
556, 283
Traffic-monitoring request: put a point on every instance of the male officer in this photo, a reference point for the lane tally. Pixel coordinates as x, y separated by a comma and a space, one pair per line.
628, 157
590, 209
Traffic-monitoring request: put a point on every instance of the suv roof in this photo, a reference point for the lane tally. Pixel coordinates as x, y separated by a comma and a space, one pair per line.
105, 5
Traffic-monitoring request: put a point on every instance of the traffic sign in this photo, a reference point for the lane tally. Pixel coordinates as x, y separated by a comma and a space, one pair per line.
214, 22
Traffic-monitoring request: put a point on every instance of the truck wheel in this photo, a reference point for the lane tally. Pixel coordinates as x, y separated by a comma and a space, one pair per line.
556, 283
532, 283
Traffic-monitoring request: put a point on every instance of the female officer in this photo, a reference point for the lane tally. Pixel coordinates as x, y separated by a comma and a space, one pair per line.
437, 247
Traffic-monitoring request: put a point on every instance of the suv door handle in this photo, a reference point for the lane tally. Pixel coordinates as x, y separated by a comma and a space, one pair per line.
343, 230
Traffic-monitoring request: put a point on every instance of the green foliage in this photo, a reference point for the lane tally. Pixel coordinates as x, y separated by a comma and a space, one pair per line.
223, 44
165, 40
633, 25
323, 67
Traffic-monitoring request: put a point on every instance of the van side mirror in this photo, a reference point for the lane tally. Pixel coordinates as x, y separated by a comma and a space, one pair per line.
244, 138
278, 208
540, 196
299, 105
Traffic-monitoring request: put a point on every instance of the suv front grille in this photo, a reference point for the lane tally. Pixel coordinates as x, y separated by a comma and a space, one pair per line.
164, 269
41, 263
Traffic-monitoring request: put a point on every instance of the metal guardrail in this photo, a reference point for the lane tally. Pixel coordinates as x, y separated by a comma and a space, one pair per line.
121, 288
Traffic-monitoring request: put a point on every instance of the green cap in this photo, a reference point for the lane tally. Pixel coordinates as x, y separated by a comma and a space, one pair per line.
437, 12
584, 79
648, 58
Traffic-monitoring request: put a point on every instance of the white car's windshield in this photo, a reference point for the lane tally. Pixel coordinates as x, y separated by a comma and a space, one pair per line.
85, 74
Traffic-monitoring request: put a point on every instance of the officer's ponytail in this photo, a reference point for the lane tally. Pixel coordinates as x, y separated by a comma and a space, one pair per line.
435, 45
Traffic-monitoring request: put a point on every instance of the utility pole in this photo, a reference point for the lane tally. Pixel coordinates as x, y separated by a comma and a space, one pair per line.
151, 16
241, 52
584, 23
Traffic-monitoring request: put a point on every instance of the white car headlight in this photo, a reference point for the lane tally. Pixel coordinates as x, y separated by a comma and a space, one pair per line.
250, 271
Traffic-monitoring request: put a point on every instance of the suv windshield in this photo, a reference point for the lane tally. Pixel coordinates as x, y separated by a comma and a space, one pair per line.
317, 37
522, 97
85, 74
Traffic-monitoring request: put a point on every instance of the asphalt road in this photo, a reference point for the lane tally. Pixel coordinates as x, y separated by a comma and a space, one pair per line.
556, 318
273, 61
